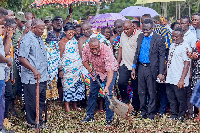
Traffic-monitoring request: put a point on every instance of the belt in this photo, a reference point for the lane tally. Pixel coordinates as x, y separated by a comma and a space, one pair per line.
145, 64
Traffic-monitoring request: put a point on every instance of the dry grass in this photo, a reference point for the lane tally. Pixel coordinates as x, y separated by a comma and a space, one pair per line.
61, 122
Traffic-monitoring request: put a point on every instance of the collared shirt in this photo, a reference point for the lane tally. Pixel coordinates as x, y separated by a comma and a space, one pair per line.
129, 45
51, 36
2, 65
144, 50
103, 62
16, 37
175, 65
169, 28
190, 38
163, 31
32, 48
192, 29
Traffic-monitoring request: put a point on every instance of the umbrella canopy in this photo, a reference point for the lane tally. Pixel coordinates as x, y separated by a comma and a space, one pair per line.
39, 3
138, 11
104, 20
152, 1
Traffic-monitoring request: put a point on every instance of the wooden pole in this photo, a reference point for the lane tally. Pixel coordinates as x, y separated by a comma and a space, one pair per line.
37, 107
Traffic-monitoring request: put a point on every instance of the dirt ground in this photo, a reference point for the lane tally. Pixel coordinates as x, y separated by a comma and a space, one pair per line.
60, 121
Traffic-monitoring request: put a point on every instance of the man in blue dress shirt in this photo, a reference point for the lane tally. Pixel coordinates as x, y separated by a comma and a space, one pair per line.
150, 62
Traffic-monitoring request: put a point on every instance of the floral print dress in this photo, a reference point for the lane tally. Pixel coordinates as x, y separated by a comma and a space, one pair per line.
53, 57
73, 87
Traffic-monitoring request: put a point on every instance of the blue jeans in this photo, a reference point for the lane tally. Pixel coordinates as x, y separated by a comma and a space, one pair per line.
2, 100
93, 94
2, 84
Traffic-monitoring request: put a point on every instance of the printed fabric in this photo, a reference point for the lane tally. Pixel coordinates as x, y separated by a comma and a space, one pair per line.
71, 64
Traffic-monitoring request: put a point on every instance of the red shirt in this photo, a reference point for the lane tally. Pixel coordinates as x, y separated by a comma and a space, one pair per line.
103, 62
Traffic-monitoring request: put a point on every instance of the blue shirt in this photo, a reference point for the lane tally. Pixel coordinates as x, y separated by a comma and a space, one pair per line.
144, 51
32, 48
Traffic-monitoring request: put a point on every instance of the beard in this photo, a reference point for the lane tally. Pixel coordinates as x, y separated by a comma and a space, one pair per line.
57, 30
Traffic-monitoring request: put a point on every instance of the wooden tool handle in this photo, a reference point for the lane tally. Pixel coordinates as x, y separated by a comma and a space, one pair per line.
37, 107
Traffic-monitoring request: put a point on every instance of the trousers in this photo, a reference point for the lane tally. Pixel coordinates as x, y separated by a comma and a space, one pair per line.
30, 101
93, 94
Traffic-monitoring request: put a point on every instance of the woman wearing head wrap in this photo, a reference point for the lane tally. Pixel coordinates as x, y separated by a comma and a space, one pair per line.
70, 68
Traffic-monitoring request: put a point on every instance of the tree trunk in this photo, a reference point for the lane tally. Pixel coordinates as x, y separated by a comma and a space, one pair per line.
189, 10
165, 8
98, 9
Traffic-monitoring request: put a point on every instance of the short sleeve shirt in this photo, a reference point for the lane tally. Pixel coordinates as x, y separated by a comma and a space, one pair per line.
129, 45
103, 62
2, 65
32, 48
175, 69
190, 38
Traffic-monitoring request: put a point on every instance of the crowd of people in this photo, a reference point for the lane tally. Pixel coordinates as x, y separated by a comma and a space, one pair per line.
149, 63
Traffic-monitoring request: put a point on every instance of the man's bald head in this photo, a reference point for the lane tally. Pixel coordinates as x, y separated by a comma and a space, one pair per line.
128, 28
118, 21
36, 22
87, 29
127, 23
11, 14
86, 23
38, 27
29, 16
118, 26
94, 45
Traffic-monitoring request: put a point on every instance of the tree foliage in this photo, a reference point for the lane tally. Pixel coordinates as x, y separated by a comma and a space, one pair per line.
83, 10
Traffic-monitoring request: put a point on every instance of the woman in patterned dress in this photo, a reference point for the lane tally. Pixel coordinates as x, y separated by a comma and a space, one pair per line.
195, 81
70, 68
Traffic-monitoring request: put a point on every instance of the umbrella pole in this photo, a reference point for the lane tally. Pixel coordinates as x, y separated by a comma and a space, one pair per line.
37, 108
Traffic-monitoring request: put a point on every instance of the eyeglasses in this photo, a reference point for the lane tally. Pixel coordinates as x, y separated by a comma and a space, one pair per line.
70, 33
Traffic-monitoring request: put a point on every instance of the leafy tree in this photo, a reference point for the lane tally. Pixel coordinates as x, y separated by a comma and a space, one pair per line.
83, 10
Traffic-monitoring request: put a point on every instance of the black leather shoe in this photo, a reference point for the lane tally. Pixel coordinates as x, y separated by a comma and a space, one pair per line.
87, 119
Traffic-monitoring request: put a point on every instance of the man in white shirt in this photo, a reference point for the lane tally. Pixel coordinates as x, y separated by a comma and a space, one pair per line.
195, 22
178, 74
125, 57
190, 39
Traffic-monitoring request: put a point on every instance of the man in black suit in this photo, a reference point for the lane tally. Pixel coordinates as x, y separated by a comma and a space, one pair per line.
150, 61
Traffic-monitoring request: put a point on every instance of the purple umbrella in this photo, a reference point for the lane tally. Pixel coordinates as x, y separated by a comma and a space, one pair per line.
104, 20
138, 11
